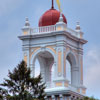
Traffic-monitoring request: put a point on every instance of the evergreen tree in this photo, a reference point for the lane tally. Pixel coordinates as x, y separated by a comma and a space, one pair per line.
21, 86
38, 89
3, 93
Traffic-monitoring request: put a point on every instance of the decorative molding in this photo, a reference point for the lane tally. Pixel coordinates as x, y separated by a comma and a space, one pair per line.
67, 48
76, 53
25, 32
33, 50
43, 49
25, 53
59, 74
52, 48
59, 49
78, 90
83, 91
66, 84
59, 84
59, 61
59, 28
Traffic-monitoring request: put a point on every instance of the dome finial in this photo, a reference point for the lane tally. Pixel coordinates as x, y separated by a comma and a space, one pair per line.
52, 5
27, 22
61, 18
78, 26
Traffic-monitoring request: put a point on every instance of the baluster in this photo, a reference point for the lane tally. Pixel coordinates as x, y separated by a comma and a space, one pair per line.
42, 29
49, 29
52, 28
55, 28
36, 30
39, 29
46, 29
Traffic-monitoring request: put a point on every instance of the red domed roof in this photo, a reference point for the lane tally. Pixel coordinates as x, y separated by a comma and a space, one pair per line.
50, 17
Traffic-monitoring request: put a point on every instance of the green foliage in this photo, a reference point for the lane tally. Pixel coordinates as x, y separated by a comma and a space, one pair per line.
21, 86
3, 93
39, 88
90, 98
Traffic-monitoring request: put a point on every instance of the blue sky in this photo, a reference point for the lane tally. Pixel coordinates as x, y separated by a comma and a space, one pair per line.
12, 19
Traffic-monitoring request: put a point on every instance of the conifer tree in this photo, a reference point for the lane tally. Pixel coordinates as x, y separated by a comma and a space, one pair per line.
21, 86
3, 93
38, 89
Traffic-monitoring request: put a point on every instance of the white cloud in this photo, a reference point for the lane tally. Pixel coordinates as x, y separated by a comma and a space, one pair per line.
92, 71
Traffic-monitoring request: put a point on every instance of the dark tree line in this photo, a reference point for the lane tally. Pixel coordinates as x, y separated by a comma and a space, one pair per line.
21, 86
90, 98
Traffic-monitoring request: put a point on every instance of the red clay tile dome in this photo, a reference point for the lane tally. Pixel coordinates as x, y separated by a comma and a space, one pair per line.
50, 17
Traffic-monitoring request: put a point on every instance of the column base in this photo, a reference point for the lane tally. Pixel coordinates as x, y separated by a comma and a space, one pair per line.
61, 82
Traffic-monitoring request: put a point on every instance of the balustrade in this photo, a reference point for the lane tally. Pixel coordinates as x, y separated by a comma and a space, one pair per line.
52, 28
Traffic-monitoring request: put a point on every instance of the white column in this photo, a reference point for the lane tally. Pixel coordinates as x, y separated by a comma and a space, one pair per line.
54, 74
69, 98
53, 97
74, 75
64, 98
61, 97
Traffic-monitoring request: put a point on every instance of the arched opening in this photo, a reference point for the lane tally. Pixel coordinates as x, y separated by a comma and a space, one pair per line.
68, 71
37, 68
43, 63
71, 69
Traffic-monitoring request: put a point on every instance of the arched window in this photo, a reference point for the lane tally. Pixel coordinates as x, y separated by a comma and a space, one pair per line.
37, 68
71, 72
68, 71
43, 64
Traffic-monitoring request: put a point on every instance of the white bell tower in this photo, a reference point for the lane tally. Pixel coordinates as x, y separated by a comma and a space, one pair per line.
52, 44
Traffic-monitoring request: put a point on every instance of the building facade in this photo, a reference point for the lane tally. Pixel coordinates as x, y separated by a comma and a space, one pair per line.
52, 43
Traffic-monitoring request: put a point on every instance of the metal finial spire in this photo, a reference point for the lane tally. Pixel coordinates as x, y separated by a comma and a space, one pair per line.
52, 5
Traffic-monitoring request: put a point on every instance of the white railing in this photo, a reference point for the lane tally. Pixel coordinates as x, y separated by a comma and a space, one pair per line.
45, 29
53, 28
73, 32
